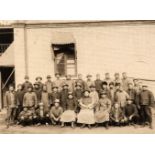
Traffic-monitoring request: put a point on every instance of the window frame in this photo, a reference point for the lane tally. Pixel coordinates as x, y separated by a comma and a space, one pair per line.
65, 61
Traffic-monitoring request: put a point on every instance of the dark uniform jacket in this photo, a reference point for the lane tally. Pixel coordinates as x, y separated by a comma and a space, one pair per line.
54, 95
10, 99
63, 97
78, 94
133, 95
98, 85
30, 99
146, 98
20, 96
38, 94
71, 104
26, 85
130, 109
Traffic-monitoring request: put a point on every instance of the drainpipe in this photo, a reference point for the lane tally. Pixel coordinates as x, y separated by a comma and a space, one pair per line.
25, 49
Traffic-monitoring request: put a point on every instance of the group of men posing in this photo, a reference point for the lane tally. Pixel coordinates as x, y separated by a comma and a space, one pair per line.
121, 101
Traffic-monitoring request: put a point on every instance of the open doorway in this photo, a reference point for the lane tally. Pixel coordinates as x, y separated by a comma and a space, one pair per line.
7, 77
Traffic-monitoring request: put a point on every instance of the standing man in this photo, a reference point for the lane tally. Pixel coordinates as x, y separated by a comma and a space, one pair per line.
132, 93
112, 92
98, 83
81, 81
89, 82
49, 84
70, 82
107, 78
58, 82
39, 81
117, 78
30, 99
20, 95
10, 105
64, 95
37, 91
121, 97
26, 84
125, 81
146, 101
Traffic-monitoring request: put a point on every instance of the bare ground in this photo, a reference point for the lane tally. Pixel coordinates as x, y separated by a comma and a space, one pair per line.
68, 130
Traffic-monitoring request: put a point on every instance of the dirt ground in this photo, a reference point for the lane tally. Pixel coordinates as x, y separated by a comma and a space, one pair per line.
68, 130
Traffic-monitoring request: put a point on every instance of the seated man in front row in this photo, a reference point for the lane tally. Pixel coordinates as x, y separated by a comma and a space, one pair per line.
131, 113
56, 112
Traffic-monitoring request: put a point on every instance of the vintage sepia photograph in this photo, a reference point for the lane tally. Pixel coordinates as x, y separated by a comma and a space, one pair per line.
77, 76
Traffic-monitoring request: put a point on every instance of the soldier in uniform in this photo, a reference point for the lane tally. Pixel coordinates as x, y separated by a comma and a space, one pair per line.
107, 78
55, 95
26, 84
64, 95
146, 101
98, 83
81, 81
49, 84
11, 105
39, 82
89, 82
26, 116
37, 91
20, 95
56, 112
125, 81
30, 99
58, 82
117, 78
70, 83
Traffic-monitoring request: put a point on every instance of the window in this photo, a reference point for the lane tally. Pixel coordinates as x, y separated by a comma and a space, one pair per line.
65, 59
6, 38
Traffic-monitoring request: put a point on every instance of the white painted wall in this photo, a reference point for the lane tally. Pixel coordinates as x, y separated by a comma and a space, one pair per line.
99, 50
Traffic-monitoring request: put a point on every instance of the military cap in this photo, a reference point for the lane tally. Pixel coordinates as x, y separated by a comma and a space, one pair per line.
39, 77
64, 84
89, 75
56, 101
48, 76
129, 99
78, 84
70, 93
111, 83
26, 77
103, 93
144, 85
54, 87
117, 84
36, 83
104, 83
92, 86
57, 73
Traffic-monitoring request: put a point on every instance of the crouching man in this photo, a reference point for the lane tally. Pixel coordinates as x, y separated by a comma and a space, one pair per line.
42, 115
131, 113
116, 115
56, 112
26, 117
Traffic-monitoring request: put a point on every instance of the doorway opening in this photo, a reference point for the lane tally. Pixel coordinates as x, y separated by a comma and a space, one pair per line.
7, 77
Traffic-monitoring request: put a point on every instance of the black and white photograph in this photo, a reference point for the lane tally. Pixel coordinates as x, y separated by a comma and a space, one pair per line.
77, 76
